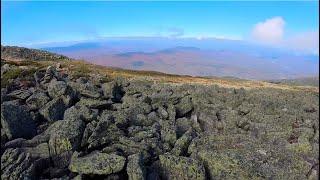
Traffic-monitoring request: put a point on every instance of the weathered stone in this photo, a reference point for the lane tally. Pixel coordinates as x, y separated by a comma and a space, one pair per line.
94, 103
57, 88
67, 136
53, 110
17, 122
20, 94
37, 100
135, 167
80, 112
182, 144
18, 164
184, 106
86, 90
96, 163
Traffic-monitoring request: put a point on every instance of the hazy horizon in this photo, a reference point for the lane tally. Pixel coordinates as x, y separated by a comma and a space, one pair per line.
252, 39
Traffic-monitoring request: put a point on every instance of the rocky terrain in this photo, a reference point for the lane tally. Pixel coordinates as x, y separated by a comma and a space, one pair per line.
61, 121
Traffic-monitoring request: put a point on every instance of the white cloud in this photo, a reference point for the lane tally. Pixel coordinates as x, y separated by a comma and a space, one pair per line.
269, 31
306, 42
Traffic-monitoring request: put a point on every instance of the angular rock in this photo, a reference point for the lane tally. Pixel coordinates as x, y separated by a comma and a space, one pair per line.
182, 144
18, 164
57, 88
94, 103
96, 163
80, 112
86, 90
20, 94
37, 100
49, 74
17, 122
135, 167
182, 126
53, 110
66, 136
113, 90
184, 106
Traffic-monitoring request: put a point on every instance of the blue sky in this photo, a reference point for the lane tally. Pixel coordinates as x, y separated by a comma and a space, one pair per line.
25, 23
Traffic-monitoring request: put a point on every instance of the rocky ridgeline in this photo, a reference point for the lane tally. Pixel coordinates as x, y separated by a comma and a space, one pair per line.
21, 53
56, 127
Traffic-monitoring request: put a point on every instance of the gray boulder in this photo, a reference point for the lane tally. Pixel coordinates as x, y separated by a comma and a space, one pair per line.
85, 90
80, 112
66, 136
96, 163
17, 122
135, 167
37, 100
53, 110
19, 164
184, 106
113, 90
20, 94
57, 88
94, 103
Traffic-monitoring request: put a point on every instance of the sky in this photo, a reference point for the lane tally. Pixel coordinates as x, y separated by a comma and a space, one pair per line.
289, 24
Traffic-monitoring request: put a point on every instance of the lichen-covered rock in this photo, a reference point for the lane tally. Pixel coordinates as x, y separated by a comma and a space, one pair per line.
182, 144
53, 110
37, 100
184, 106
80, 112
85, 90
15, 164
113, 90
105, 132
17, 122
96, 163
18, 164
94, 103
135, 167
66, 136
57, 88
174, 167
20, 94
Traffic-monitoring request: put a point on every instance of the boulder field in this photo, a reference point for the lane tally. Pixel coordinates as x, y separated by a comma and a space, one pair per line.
57, 127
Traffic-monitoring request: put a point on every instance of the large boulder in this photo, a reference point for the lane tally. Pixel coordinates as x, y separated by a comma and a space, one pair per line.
80, 112
135, 167
37, 100
96, 163
17, 122
86, 90
66, 136
19, 164
174, 167
53, 110
184, 106
57, 88
105, 132
113, 90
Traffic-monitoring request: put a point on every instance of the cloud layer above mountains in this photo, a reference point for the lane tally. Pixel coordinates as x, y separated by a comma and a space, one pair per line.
272, 32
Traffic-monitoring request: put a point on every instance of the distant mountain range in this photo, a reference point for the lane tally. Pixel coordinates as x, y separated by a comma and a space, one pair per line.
189, 56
